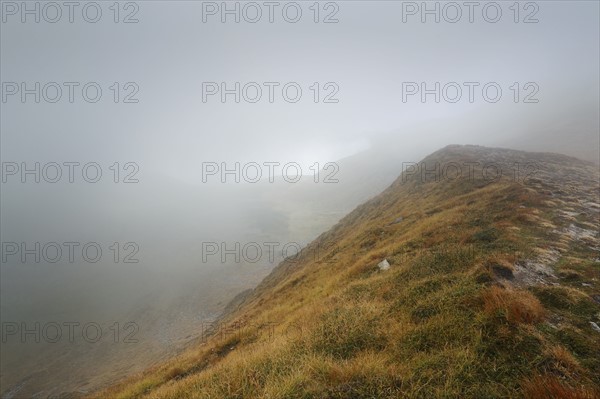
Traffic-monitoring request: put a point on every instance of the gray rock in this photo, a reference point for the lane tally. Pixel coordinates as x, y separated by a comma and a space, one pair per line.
384, 265
397, 220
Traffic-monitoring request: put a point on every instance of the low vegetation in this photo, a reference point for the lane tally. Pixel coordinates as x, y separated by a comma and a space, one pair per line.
475, 304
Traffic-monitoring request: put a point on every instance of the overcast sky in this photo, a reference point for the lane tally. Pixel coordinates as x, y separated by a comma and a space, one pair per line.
367, 54
369, 65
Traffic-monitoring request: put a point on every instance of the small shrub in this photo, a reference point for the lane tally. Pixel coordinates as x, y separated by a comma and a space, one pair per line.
546, 387
486, 235
502, 268
175, 373
517, 306
570, 274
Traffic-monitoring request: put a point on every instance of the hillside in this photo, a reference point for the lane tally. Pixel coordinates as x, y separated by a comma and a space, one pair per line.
493, 291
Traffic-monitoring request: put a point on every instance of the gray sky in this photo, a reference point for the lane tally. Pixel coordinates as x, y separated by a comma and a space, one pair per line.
367, 61
369, 53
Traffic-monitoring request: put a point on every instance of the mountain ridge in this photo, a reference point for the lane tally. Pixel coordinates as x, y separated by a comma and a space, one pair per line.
482, 268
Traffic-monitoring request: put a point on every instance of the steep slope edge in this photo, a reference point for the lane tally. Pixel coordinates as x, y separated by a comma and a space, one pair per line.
493, 291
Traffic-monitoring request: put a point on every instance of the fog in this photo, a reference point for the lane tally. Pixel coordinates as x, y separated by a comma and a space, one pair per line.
165, 133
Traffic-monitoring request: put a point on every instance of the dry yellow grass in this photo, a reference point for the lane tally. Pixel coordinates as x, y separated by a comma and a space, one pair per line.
546, 387
437, 324
517, 306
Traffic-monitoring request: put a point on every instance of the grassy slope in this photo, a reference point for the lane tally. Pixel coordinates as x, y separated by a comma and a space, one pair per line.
491, 292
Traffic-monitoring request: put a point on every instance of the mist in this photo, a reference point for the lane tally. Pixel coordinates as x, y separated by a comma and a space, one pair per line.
203, 189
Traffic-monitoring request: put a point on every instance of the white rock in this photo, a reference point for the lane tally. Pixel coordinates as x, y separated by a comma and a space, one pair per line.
384, 265
595, 326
